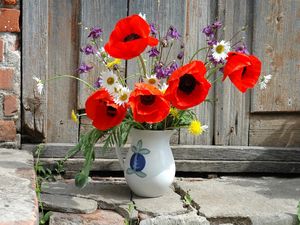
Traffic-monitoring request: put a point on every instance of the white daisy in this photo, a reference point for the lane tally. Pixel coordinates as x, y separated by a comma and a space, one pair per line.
122, 95
220, 50
204, 128
39, 84
143, 15
109, 81
264, 80
152, 79
163, 87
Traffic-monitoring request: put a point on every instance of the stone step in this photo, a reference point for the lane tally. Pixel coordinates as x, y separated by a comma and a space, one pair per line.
245, 200
218, 201
18, 202
99, 217
69, 204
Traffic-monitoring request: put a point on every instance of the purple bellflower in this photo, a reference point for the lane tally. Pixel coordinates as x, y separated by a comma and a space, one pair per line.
95, 32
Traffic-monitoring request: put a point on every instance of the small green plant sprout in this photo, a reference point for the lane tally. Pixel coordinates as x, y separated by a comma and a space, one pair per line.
187, 199
41, 175
129, 220
45, 218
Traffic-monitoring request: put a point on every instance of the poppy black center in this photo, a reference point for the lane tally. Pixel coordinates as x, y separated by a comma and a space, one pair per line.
147, 99
187, 83
131, 37
244, 71
111, 111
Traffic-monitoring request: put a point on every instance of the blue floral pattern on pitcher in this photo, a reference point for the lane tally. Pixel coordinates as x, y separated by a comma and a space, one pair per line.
137, 160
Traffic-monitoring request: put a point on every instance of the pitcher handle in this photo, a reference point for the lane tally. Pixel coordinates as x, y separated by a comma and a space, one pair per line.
119, 155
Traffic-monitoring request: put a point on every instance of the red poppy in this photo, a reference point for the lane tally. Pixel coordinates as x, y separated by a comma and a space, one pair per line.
102, 110
243, 70
129, 38
188, 86
148, 104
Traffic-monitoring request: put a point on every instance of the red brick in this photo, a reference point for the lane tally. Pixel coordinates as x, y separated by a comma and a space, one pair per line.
6, 79
10, 105
7, 130
9, 2
9, 20
1, 49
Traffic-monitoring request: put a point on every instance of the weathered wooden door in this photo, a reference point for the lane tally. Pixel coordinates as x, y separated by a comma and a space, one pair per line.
54, 30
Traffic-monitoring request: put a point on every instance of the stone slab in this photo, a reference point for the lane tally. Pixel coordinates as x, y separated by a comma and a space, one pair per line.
168, 204
184, 219
18, 201
70, 204
108, 195
99, 217
239, 200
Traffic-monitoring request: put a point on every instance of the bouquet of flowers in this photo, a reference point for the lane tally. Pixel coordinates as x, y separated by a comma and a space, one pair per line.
162, 96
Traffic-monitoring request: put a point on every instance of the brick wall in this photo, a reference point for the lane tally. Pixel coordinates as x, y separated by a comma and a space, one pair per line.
10, 78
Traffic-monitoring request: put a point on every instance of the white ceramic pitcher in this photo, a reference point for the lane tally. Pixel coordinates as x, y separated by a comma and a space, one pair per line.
149, 167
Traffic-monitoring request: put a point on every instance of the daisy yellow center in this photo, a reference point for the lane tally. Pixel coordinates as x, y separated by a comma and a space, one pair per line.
152, 81
195, 128
220, 49
123, 97
110, 80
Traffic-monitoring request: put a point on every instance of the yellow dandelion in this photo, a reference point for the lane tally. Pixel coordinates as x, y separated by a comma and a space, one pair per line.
196, 128
111, 64
174, 112
74, 116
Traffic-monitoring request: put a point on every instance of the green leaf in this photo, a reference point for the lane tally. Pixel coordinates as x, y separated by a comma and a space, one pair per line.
129, 171
139, 144
134, 149
140, 174
126, 222
144, 151
45, 218
81, 180
187, 198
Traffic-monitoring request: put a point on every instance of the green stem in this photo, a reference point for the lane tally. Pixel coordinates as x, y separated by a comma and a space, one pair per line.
219, 78
132, 76
73, 77
237, 43
168, 53
239, 31
199, 50
123, 82
213, 71
143, 65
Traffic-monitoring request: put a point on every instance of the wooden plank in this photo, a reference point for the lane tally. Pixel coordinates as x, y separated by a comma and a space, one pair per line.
190, 152
97, 13
232, 107
199, 13
34, 63
192, 166
276, 42
63, 52
275, 130
237, 166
